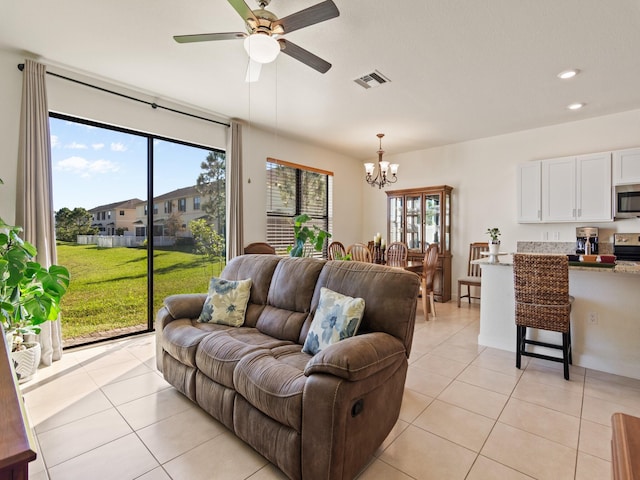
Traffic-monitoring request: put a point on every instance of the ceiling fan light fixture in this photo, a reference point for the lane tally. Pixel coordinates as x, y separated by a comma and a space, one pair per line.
261, 48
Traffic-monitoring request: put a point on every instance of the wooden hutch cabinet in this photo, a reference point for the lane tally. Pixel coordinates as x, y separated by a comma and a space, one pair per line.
419, 217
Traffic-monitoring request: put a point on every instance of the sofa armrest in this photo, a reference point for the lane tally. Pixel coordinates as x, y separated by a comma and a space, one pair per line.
186, 305
358, 357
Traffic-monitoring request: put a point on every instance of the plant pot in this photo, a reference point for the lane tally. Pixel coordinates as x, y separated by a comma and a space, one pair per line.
25, 362
494, 248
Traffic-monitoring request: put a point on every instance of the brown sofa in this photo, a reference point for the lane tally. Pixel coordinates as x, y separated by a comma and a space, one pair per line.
314, 417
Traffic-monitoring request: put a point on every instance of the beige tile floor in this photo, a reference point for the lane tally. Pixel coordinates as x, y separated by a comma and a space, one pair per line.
468, 413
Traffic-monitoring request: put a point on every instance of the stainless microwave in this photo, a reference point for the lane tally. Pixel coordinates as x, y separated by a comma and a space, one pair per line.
627, 201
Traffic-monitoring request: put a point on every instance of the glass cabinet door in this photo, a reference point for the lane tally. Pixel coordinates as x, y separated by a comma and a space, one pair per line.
396, 219
432, 218
414, 222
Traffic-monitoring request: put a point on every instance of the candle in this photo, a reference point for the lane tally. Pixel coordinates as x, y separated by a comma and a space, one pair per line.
383, 243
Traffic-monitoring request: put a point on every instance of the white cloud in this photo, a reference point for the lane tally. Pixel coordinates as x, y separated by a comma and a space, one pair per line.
85, 168
118, 147
76, 146
54, 141
97, 146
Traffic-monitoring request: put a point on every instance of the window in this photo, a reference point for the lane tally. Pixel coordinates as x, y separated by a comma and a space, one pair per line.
122, 213
155, 209
182, 205
168, 207
291, 191
196, 203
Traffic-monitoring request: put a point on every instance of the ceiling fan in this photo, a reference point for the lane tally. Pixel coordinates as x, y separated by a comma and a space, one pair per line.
264, 41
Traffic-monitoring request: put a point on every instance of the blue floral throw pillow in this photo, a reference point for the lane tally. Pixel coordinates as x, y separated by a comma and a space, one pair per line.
227, 301
337, 317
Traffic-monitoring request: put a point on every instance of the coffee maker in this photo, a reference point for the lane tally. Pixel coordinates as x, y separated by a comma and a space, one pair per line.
587, 241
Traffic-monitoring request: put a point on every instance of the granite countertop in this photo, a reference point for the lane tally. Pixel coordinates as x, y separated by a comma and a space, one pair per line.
621, 266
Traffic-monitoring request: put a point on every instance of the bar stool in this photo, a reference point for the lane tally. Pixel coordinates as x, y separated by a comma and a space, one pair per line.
541, 284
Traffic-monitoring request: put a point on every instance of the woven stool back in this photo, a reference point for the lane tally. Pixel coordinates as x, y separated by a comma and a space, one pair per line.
541, 285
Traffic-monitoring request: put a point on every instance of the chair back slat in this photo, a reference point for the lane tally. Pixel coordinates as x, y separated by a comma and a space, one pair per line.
336, 251
475, 249
397, 253
360, 253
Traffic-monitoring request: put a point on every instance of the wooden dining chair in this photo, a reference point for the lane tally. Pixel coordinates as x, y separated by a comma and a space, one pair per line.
429, 267
336, 251
473, 278
360, 253
259, 247
397, 253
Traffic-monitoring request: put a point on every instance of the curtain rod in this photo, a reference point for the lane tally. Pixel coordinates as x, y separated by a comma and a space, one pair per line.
151, 104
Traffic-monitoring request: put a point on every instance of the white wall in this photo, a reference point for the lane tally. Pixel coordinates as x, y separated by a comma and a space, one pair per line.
483, 175
11, 81
347, 187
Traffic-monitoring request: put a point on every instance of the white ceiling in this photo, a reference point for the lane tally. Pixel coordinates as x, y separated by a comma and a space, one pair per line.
459, 69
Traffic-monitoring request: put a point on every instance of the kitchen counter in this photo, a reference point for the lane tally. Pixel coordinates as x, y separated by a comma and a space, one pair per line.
605, 323
621, 266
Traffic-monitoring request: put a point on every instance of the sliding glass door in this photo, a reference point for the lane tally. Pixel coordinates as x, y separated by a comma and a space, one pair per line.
126, 253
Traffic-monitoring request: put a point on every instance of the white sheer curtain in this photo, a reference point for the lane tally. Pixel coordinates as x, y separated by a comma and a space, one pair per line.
34, 202
235, 230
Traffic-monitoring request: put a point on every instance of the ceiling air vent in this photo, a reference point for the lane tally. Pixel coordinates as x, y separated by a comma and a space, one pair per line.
373, 79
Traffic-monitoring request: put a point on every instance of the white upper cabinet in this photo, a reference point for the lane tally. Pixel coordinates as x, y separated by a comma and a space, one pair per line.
569, 189
529, 192
559, 190
626, 166
593, 187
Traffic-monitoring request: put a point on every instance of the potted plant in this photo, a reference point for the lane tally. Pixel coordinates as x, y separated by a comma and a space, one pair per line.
307, 239
29, 296
494, 243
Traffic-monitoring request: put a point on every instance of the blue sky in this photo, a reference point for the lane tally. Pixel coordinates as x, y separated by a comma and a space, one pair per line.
94, 166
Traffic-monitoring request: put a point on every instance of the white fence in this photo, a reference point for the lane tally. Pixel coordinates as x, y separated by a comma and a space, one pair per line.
113, 241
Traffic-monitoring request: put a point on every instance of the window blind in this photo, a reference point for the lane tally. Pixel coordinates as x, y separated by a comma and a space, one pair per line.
291, 191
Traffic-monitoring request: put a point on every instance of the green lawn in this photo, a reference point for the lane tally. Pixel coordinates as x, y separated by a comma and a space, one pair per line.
108, 287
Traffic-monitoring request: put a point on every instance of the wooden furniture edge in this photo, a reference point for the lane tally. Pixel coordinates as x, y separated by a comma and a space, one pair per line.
17, 445
625, 446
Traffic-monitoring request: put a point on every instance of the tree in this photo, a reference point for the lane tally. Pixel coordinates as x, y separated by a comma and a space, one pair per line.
208, 242
211, 185
173, 224
71, 223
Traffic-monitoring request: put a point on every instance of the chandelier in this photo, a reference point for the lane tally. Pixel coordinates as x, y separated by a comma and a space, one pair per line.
382, 176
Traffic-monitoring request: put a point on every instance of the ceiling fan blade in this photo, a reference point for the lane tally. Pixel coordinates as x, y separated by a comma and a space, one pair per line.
243, 9
304, 56
309, 16
253, 71
208, 37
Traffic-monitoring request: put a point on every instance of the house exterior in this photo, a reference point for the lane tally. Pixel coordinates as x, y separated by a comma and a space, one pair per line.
172, 213
116, 217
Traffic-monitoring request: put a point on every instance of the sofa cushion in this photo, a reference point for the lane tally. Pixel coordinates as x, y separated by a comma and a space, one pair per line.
219, 353
337, 317
181, 338
226, 302
273, 381
289, 299
259, 268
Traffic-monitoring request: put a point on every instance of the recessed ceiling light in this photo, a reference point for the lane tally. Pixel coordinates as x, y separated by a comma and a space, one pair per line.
566, 74
575, 106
